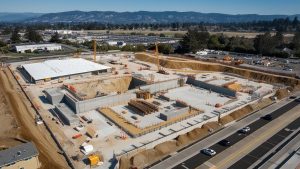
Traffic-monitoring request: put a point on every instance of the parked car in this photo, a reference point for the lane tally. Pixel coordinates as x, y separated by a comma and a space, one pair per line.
293, 97
268, 117
209, 152
245, 130
225, 143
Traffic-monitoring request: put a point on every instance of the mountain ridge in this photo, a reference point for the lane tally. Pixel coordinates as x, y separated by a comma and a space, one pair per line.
140, 17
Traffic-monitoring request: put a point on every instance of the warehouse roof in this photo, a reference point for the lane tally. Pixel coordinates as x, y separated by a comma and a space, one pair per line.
42, 45
18, 153
59, 68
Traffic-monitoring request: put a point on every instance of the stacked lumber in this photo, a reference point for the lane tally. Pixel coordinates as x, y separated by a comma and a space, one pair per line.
143, 107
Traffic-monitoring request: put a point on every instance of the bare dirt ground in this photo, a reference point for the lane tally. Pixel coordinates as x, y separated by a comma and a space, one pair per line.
20, 119
90, 89
9, 131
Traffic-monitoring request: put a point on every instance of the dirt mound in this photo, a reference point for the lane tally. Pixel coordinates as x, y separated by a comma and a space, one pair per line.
124, 162
241, 112
238, 114
281, 93
88, 90
226, 119
197, 133
183, 140
145, 157
166, 147
296, 88
211, 126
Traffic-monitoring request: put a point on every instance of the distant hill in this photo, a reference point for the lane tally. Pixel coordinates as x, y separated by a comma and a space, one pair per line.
139, 17
16, 17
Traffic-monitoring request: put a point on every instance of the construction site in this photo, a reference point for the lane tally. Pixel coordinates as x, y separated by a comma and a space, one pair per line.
129, 110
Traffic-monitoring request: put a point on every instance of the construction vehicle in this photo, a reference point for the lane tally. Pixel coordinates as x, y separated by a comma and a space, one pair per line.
238, 62
159, 68
38, 120
76, 136
227, 58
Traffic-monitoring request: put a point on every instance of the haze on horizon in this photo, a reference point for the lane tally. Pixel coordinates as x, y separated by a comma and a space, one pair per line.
265, 7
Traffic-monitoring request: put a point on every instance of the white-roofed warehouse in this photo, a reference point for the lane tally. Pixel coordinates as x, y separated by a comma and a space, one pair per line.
53, 69
33, 47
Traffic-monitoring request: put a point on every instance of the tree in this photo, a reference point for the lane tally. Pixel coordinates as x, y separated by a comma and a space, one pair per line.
193, 41
278, 40
2, 44
32, 35
263, 43
6, 31
151, 34
213, 42
162, 35
296, 41
140, 48
55, 38
15, 36
295, 22
165, 48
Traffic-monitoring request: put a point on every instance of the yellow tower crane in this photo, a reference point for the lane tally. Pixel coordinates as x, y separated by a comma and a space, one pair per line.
157, 57
159, 68
95, 49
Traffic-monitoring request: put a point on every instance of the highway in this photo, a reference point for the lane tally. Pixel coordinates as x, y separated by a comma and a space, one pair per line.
264, 148
200, 158
279, 157
191, 157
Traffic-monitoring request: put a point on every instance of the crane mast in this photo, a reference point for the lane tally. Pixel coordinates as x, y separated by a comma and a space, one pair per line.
95, 49
157, 56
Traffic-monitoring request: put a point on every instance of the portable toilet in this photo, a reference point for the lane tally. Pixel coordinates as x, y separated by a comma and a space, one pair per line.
87, 148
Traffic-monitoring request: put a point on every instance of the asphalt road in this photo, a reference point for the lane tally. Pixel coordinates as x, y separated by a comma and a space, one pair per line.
264, 148
200, 158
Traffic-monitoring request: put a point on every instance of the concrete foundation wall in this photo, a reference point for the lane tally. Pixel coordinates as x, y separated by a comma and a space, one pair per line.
71, 102
217, 89
91, 104
135, 82
67, 115
54, 96
153, 88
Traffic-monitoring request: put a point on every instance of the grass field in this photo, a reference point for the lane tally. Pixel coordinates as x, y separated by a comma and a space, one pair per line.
172, 33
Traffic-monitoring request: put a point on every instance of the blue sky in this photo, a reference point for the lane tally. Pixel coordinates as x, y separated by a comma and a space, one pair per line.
205, 6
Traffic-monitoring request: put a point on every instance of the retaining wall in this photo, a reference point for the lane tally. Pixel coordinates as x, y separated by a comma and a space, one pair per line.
166, 85
91, 104
214, 88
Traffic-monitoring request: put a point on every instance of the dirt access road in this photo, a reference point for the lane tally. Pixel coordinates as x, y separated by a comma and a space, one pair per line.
23, 125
